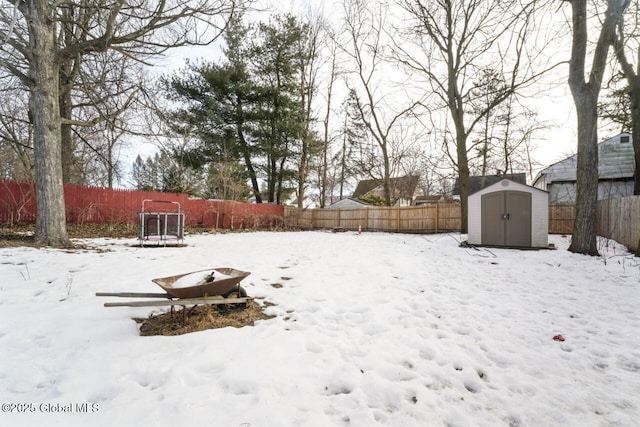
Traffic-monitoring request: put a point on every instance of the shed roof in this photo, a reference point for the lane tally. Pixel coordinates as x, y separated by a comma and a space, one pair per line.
480, 182
512, 185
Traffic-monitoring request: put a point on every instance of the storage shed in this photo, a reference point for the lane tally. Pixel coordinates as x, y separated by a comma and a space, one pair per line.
510, 214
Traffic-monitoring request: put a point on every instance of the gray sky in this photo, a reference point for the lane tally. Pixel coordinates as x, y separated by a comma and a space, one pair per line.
554, 105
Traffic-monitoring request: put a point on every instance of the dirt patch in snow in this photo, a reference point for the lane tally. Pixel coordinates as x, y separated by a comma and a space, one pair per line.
12, 238
201, 317
23, 234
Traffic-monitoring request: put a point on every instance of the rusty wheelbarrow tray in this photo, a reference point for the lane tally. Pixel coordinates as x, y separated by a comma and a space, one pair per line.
214, 288
222, 291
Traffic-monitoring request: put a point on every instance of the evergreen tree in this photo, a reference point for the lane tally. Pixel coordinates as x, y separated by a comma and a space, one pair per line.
616, 107
244, 108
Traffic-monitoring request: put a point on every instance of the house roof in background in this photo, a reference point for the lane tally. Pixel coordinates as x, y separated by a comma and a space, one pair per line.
402, 187
615, 161
347, 203
433, 198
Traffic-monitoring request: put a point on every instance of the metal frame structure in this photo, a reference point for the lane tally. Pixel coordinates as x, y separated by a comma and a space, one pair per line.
161, 227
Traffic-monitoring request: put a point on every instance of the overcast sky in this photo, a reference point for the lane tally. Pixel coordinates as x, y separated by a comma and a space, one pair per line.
554, 104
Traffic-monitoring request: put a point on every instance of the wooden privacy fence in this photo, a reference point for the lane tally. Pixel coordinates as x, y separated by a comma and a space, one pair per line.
619, 219
561, 218
103, 205
414, 219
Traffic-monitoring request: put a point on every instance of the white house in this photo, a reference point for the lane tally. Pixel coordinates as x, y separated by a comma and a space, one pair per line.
615, 170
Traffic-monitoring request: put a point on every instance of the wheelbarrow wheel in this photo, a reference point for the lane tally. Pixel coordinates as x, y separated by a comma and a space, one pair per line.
239, 292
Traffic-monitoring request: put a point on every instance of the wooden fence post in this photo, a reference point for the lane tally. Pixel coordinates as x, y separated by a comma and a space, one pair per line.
366, 219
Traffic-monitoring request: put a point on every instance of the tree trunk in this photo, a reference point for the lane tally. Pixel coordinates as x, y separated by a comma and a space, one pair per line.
457, 110
387, 174
463, 179
51, 228
272, 176
280, 182
110, 164
325, 140
585, 96
584, 239
635, 131
323, 168
633, 80
302, 169
485, 145
246, 154
343, 167
305, 101
66, 139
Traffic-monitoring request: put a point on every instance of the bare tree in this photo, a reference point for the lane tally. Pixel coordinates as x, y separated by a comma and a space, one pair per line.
585, 95
629, 44
16, 142
308, 55
449, 42
32, 54
326, 136
110, 95
365, 25
89, 88
344, 162
502, 141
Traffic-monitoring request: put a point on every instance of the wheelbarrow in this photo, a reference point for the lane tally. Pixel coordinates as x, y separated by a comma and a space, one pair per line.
211, 286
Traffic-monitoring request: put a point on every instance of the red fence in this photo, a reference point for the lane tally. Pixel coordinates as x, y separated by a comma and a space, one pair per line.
102, 205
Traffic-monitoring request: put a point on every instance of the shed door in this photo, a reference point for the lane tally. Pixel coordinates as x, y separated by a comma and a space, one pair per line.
493, 230
518, 225
506, 218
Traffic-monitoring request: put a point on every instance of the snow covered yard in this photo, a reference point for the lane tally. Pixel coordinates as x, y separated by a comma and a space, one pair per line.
371, 329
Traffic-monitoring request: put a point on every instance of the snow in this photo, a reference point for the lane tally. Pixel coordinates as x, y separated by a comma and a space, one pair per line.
370, 330
188, 280
198, 278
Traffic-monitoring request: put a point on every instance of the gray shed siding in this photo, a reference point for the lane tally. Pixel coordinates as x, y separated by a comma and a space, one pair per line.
539, 212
